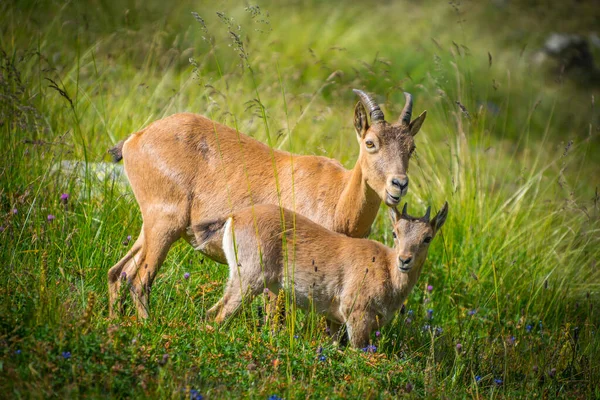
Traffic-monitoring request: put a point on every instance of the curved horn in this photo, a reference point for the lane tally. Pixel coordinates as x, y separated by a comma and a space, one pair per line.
407, 111
371, 105
427, 214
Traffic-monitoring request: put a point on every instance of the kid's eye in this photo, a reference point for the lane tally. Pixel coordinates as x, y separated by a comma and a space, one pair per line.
394, 235
369, 144
427, 239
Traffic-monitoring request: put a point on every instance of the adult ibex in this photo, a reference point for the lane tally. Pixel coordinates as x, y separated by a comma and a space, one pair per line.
357, 282
185, 169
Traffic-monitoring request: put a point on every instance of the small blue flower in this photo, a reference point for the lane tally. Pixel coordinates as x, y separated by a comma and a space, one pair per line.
425, 328
438, 331
320, 350
295, 336
477, 378
370, 349
274, 397
66, 355
498, 381
410, 312
322, 358
472, 312
17, 352
186, 275
195, 395
430, 313
529, 328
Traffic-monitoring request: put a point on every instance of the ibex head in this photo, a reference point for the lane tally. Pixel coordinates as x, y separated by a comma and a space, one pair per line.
412, 235
385, 148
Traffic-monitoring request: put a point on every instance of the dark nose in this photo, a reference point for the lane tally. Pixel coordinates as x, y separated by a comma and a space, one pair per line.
401, 183
408, 260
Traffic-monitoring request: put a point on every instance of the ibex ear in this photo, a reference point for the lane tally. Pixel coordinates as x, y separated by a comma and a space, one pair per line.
415, 125
438, 221
361, 123
394, 214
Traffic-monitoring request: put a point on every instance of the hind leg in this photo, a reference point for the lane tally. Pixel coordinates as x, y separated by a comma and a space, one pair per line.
159, 235
115, 277
237, 292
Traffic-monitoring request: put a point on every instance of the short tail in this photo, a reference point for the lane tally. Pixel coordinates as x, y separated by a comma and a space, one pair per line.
206, 231
116, 152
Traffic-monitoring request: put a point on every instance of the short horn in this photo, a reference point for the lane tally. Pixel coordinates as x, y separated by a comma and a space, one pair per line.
404, 210
371, 105
407, 111
427, 214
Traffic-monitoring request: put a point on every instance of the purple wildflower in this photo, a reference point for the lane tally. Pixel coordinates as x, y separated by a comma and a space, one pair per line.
429, 288
511, 340
377, 334
123, 275
195, 395
472, 312
552, 372
408, 321
64, 198
458, 347
408, 388
51, 217
2, 229
164, 359
186, 275
15, 211
66, 355
370, 349
127, 240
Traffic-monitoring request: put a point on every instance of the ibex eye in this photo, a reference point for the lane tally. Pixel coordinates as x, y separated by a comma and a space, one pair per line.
427, 239
394, 235
370, 144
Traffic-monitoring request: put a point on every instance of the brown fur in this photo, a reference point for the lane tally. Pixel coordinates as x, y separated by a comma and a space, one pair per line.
185, 169
357, 282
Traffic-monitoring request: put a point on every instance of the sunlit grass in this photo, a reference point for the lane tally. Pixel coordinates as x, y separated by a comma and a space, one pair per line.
513, 276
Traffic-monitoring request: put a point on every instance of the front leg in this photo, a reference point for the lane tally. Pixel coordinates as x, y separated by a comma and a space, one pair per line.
359, 325
336, 332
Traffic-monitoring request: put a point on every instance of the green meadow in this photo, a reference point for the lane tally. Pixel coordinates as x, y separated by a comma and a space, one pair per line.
508, 303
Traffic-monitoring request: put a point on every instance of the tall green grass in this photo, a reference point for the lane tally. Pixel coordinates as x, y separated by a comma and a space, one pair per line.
513, 275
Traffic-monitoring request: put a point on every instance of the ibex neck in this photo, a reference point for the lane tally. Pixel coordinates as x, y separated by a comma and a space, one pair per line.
358, 205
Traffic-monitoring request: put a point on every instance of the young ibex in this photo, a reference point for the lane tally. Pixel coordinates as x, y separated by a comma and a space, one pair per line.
185, 169
357, 282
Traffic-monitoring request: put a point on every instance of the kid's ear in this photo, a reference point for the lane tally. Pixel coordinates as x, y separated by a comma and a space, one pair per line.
438, 221
361, 124
415, 125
